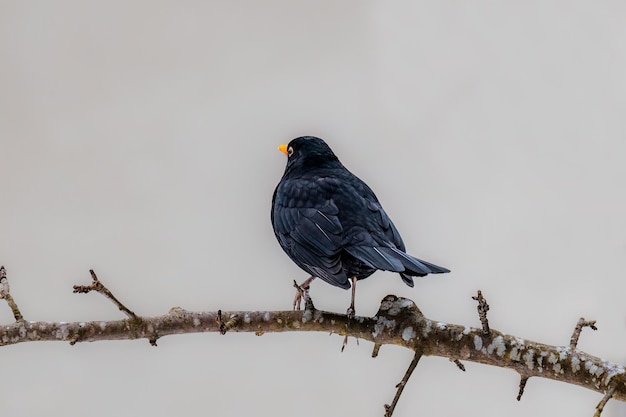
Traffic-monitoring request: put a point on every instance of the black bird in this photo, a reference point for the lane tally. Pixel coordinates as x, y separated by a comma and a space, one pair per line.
331, 224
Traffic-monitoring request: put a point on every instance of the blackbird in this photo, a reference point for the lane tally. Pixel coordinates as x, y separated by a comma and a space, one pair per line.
331, 224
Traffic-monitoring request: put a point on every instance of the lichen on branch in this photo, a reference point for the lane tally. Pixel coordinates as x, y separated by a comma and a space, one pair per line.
398, 322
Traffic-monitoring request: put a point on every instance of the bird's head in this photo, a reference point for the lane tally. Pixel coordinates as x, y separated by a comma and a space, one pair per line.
307, 152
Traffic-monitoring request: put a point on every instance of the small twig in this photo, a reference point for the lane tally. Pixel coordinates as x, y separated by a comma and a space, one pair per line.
4, 283
483, 308
220, 322
522, 385
458, 364
225, 326
376, 350
5, 292
97, 286
389, 408
578, 329
604, 400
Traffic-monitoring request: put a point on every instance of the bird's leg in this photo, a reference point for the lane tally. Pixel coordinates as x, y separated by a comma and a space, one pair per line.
351, 312
302, 290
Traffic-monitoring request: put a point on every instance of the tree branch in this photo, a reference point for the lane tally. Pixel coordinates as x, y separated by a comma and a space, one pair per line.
5, 293
398, 322
578, 329
97, 286
482, 308
389, 408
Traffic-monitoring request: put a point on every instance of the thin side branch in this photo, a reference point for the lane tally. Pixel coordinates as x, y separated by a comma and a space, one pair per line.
376, 350
458, 364
225, 326
482, 308
603, 401
578, 329
522, 384
390, 408
5, 292
220, 322
97, 286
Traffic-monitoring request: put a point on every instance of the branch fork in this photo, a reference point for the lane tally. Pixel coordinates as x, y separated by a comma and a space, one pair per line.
398, 322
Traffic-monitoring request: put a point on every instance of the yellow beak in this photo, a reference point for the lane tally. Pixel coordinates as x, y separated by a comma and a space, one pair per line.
283, 149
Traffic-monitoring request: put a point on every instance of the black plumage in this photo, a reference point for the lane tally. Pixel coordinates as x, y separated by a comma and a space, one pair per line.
331, 224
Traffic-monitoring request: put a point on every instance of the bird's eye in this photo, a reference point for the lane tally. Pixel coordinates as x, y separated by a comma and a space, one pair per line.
290, 151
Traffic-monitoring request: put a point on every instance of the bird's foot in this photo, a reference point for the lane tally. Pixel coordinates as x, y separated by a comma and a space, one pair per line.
302, 291
351, 313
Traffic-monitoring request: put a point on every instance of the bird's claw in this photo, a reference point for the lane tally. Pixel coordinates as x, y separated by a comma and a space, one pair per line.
297, 299
302, 291
351, 312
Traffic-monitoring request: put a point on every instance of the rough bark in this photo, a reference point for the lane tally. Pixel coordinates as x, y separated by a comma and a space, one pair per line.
398, 322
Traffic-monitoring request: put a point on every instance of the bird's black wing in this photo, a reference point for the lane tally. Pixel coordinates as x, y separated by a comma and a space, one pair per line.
308, 228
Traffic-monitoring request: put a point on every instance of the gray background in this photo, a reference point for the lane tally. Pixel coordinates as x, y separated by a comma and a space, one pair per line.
139, 139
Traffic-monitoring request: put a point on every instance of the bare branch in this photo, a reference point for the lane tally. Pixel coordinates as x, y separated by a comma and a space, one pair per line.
4, 283
376, 349
5, 292
578, 329
97, 286
458, 364
389, 408
397, 322
483, 308
603, 401
224, 326
522, 384
220, 322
